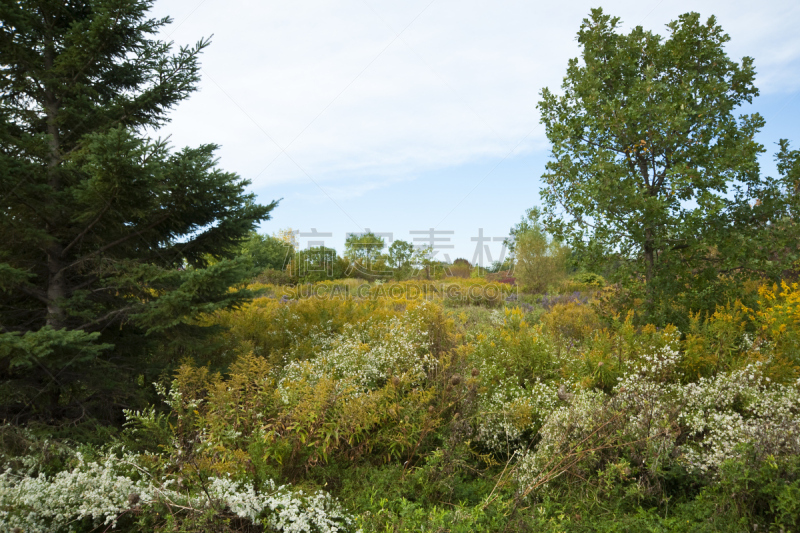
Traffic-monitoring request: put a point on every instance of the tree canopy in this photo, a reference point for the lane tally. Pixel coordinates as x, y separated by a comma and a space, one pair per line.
265, 251
108, 233
363, 251
650, 167
365, 247
540, 261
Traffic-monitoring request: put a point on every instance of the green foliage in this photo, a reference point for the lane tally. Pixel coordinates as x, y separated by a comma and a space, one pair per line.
646, 148
531, 221
540, 260
401, 254
364, 247
266, 252
590, 279
432, 404
364, 257
107, 234
417, 413
749, 488
406, 260
317, 263
761, 233
38, 348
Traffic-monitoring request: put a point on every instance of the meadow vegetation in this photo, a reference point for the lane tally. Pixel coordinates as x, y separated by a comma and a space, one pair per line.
453, 406
633, 365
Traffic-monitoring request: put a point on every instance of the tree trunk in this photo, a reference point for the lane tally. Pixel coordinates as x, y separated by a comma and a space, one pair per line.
649, 257
56, 282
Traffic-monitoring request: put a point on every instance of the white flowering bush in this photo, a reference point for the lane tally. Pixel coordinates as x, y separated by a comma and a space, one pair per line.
105, 491
652, 418
514, 361
424, 419
363, 357
509, 410
278, 508
41, 504
565, 431
740, 407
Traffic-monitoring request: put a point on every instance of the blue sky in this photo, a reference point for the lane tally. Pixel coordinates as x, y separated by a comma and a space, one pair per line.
413, 115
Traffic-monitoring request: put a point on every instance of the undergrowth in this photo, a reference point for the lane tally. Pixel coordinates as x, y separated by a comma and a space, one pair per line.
461, 406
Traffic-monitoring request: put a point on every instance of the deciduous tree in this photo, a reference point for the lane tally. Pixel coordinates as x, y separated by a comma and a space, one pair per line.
646, 146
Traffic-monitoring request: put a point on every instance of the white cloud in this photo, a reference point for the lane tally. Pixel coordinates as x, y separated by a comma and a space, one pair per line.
356, 104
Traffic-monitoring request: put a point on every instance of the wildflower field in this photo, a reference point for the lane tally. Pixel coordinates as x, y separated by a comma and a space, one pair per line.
629, 362
458, 405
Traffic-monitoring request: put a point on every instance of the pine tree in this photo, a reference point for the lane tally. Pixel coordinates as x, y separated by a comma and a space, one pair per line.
111, 240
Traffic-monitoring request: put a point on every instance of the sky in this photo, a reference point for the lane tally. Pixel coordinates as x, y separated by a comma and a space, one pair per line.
400, 117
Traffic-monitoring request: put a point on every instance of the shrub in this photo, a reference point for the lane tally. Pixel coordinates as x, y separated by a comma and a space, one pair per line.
423, 411
650, 421
571, 321
590, 278
549, 300
777, 322
102, 493
540, 261
759, 492
271, 276
717, 343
